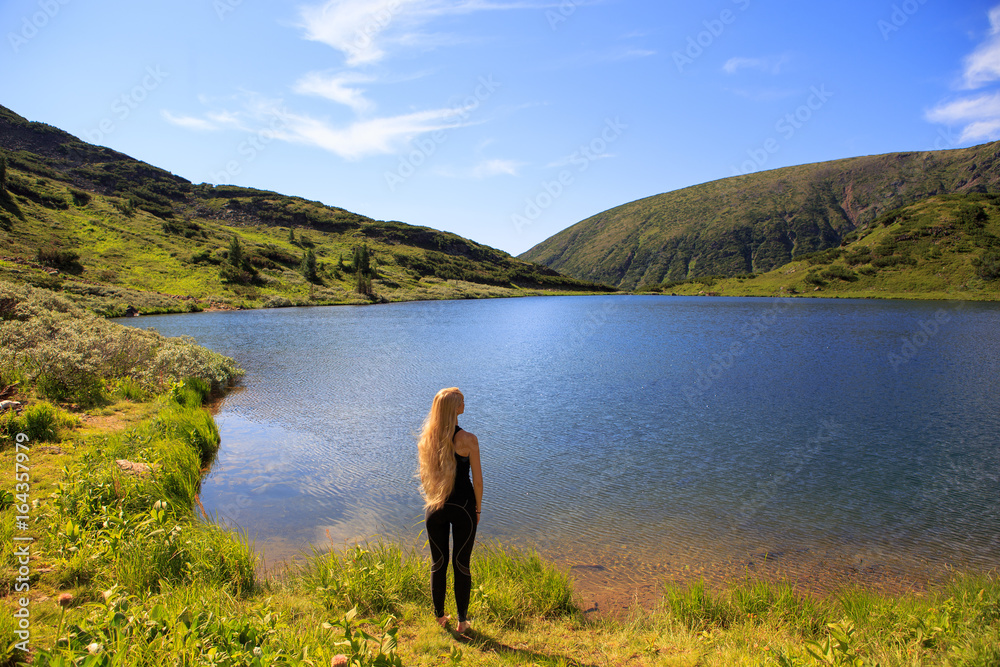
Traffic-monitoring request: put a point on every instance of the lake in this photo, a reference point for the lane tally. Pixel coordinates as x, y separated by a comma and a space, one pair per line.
642, 436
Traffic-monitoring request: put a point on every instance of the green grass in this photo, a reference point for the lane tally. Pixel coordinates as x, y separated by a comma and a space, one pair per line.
923, 251
147, 239
760, 221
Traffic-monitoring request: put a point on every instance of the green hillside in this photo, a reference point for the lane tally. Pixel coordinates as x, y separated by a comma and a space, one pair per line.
760, 221
944, 247
114, 232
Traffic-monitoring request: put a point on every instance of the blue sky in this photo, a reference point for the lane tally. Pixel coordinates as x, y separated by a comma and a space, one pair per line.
504, 121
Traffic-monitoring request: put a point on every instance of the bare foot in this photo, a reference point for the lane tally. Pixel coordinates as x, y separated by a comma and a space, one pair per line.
464, 627
443, 620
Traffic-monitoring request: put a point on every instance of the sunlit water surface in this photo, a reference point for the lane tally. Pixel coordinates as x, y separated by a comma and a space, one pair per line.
678, 434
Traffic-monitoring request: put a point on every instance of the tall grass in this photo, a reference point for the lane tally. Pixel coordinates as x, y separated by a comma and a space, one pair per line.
142, 525
375, 578
512, 587
41, 422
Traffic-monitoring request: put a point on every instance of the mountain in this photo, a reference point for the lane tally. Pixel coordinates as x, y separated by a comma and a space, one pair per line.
760, 221
942, 247
117, 233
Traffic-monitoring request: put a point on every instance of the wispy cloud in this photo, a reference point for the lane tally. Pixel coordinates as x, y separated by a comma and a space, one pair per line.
978, 115
339, 88
591, 58
575, 159
766, 64
482, 170
365, 137
983, 65
764, 94
496, 167
365, 30
189, 122
351, 141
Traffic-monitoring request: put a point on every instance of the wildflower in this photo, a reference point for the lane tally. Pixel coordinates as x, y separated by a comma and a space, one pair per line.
339, 660
65, 599
257, 651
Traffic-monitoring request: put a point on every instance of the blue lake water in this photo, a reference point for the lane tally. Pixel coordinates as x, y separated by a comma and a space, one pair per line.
671, 433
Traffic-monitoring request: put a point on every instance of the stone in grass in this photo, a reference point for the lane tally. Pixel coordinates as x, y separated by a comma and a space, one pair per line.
9, 405
134, 467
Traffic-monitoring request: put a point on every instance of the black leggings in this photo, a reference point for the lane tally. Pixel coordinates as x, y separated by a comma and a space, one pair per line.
460, 521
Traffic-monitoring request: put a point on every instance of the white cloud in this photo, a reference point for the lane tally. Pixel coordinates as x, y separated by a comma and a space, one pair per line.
366, 137
484, 169
766, 64
979, 115
576, 158
338, 88
983, 65
189, 122
351, 141
353, 26
364, 30
496, 167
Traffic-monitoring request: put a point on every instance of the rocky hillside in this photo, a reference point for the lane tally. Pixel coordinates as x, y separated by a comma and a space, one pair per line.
117, 232
760, 221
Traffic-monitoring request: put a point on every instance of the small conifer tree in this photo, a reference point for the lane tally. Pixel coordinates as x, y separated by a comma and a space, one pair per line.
236, 252
309, 266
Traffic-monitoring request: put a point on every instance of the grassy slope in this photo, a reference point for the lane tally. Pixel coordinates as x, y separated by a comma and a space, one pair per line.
152, 240
760, 221
934, 249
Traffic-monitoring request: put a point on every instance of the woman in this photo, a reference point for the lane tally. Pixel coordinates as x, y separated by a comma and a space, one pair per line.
452, 502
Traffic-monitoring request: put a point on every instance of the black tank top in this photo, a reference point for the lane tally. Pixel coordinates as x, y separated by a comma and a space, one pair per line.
463, 490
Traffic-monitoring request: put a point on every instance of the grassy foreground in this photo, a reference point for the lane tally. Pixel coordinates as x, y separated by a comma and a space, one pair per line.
123, 570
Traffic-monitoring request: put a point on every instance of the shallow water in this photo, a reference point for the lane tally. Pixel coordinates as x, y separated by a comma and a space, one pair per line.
658, 432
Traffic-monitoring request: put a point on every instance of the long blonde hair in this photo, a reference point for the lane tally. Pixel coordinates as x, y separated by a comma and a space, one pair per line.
436, 448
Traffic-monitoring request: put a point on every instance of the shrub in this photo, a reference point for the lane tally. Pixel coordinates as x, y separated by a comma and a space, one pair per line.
71, 354
64, 260
859, 256
814, 278
839, 272
988, 266
41, 422
80, 198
